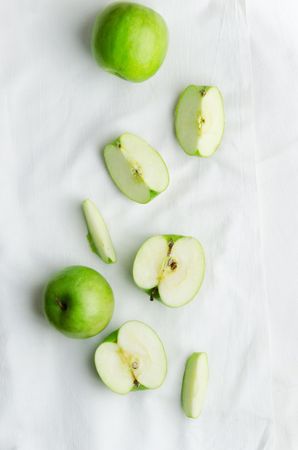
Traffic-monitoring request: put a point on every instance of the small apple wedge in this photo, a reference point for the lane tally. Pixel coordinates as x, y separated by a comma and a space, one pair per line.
194, 385
170, 268
136, 168
131, 358
98, 234
199, 120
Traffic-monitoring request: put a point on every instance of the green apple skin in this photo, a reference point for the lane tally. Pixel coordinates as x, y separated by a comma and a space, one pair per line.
79, 302
113, 337
192, 380
129, 40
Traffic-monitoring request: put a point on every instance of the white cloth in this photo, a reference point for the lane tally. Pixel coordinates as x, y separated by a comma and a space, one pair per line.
57, 111
274, 44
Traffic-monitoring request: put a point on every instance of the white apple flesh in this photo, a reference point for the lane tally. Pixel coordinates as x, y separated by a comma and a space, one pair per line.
98, 234
131, 358
194, 385
199, 120
136, 168
170, 268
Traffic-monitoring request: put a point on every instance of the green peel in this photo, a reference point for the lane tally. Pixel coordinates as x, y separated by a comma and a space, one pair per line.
98, 234
194, 385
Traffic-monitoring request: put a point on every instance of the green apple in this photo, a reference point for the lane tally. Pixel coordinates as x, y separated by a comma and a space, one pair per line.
194, 385
170, 268
79, 302
98, 234
129, 40
199, 120
131, 358
136, 168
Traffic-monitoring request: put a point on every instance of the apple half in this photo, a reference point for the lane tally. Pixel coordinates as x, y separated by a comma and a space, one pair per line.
194, 385
199, 120
136, 168
131, 358
170, 268
98, 234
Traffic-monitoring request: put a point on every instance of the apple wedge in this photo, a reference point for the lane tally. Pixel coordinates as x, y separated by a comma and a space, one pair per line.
199, 120
98, 234
170, 268
131, 358
136, 168
194, 385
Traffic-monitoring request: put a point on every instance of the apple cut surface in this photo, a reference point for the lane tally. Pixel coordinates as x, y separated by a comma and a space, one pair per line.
149, 262
143, 347
136, 168
194, 385
199, 120
135, 359
171, 268
98, 233
113, 369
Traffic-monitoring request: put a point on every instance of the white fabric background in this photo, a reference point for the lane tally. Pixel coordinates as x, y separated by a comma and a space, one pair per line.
57, 110
274, 47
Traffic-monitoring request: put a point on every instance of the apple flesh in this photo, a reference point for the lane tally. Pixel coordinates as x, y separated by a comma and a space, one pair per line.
79, 302
136, 168
131, 358
98, 234
129, 40
199, 120
170, 268
194, 385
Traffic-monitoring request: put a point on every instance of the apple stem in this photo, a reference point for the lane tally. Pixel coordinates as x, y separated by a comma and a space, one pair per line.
171, 243
136, 383
61, 304
153, 293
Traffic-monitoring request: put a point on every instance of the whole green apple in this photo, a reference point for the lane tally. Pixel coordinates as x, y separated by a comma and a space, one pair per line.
129, 40
79, 302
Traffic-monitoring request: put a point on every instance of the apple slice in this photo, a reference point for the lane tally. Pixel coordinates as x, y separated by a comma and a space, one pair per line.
98, 234
136, 168
199, 120
194, 385
131, 358
170, 268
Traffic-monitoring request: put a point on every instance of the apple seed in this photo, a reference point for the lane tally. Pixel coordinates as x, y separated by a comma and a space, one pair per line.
172, 264
136, 172
135, 365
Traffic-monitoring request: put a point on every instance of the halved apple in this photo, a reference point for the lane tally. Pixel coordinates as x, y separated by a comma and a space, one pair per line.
199, 120
98, 234
170, 268
136, 168
194, 385
131, 358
